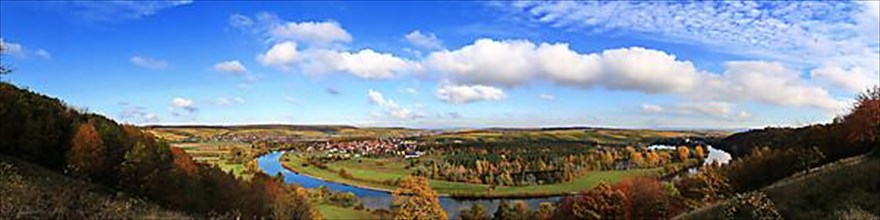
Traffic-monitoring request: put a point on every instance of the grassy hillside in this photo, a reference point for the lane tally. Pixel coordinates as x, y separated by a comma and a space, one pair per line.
33, 192
846, 189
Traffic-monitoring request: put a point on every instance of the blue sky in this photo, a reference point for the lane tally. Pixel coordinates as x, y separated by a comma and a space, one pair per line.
448, 64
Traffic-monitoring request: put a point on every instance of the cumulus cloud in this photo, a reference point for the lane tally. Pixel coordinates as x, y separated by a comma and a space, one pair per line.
649, 108
19, 51
231, 66
390, 107
183, 103
712, 109
274, 29
318, 33
855, 79
461, 94
516, 62
427, 41
765, 82
366, 63
149, 63
282, 55
137, 114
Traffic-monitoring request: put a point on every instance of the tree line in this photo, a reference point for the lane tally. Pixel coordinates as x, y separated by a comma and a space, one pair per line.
46, 131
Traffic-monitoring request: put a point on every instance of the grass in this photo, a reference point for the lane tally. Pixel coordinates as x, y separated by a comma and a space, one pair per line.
832, 191
332, 212
30, 191
213, 153
368, 173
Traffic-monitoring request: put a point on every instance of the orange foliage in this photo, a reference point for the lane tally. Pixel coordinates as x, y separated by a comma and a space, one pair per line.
683, 153
86, 151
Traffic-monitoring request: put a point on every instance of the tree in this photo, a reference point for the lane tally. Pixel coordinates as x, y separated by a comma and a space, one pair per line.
3, 68
415, 199
752, 206
86, 151
601, 202
698, 152
545, 211
683, 153
863, 123
476, 212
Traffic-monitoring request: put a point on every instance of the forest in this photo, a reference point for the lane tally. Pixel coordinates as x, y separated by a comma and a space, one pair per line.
46, 131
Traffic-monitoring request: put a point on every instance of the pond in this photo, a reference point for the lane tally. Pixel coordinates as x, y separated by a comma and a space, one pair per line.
375, 199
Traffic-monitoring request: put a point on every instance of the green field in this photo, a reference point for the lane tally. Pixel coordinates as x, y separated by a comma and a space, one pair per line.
213, 153
335, 212
369, 173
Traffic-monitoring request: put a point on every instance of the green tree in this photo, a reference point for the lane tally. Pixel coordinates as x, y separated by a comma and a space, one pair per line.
415, 199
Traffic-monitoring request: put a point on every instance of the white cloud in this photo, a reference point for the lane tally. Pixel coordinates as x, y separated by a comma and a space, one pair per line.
461, 94
43, 54
646, 70
183, 103
855, 79
649, 108
547, 97
516, 62
19, 51
282, 55
369, 64
137, 113
765, 82
232, 66
116, 11
240, 21
711, 110
149, 63
390, 107
313, 33
487, 61
10, 48
226, 101
801, 32
427, 41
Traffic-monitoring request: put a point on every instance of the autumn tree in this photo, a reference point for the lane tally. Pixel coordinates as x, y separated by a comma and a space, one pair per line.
415, 199
601, 202
545, 211
862, 125
698, 152
683, 153
476, 212
86, 151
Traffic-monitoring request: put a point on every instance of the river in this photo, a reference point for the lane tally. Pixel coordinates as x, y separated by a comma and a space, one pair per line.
375, 199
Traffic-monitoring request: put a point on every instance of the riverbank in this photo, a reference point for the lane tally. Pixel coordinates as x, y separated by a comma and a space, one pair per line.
365, 177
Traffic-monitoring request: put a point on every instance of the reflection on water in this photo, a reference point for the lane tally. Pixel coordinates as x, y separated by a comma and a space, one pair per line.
374, 199
714, 154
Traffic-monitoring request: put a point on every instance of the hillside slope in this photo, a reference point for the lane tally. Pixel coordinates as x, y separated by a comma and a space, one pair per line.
33, 192
846, 189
